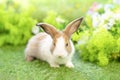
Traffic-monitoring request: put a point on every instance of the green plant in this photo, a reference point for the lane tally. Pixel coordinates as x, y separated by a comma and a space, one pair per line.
102, 45
99, 47
115, 30
15, 27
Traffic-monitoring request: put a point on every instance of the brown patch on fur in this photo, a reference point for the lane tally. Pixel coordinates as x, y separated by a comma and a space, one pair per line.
67, 41
33, 45
55, 40
41, 36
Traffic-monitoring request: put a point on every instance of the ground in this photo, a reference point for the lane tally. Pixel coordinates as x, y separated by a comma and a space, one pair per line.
14, 67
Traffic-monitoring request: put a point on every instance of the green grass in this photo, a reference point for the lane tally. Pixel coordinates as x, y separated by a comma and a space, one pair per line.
14, 67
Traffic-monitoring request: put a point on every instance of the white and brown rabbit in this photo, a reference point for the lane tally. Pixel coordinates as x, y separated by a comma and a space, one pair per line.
53, 46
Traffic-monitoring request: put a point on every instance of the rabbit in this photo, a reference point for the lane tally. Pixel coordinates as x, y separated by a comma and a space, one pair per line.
52, 45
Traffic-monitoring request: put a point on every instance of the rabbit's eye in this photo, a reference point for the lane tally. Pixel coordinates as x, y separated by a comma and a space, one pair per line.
66, 44
54, 44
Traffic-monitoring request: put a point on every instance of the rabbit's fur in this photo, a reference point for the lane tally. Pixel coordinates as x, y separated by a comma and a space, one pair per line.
53, 46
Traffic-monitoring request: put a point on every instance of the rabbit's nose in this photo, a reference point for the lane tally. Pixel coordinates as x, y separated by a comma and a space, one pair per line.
60, 57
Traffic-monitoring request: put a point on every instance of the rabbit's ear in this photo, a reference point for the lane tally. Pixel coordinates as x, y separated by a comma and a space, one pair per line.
72, 27
48, 28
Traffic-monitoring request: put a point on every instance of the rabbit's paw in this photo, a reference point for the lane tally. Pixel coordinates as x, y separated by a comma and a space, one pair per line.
69, 65
54, 65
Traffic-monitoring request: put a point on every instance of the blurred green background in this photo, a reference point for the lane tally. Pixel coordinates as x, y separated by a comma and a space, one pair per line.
17, 17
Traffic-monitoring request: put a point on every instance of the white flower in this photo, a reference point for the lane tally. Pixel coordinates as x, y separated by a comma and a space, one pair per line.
95, 19
117, 16
107, 7
107, 26
107, 15
110, 24
116, 1
35, 30
106, 19
94, 8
